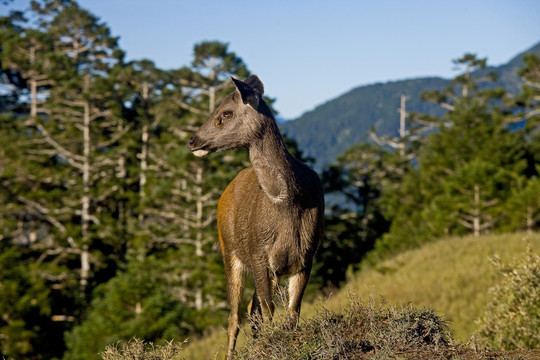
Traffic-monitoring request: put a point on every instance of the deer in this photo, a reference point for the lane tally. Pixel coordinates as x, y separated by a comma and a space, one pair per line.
270, 218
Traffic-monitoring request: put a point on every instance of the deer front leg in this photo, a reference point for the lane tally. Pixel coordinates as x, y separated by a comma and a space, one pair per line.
297, 285
235, 274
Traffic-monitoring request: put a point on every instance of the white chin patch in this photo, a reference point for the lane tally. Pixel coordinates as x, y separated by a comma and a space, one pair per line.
200, 153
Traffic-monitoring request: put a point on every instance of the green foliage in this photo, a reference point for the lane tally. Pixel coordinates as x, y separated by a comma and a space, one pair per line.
135, 302
467, 169
523, 206
215, 61
25, 308
354, 219
512, 316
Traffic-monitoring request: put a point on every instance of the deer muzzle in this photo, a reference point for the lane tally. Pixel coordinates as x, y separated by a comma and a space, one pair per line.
194, 145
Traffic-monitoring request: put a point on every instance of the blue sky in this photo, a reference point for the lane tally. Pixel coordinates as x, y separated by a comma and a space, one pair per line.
308, 52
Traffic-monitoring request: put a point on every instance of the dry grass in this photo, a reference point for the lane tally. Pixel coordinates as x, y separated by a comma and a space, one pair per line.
371, 331
136, 349
512, 317
360, 331
452, 275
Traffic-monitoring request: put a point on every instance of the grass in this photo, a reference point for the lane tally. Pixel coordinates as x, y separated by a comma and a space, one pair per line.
360, 331
452, 276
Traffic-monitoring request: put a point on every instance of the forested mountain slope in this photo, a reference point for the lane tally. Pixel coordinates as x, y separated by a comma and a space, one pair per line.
334, 126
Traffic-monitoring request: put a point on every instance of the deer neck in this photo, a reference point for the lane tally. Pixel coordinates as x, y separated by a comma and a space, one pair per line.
273, 165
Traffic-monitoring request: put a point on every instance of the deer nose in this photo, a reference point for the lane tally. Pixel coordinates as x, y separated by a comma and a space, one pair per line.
191, 142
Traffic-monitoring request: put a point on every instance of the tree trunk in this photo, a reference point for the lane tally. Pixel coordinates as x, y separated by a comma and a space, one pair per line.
476, 211
143, 156
530, 220
143, 168
85, 213
402, 124
199, 229
33, 98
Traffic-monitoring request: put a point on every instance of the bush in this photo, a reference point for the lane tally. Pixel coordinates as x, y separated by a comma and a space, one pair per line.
512, 317
138, 349
360, 331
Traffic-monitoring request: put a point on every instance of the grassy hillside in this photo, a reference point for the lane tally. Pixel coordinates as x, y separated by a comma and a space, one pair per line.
452, 276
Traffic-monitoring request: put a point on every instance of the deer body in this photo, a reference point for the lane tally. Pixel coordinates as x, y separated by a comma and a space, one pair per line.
270, 217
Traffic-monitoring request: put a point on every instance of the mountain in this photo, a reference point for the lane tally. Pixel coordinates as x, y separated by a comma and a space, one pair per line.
328, 130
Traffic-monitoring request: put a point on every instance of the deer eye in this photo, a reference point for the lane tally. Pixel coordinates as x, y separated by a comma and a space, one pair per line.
224, 115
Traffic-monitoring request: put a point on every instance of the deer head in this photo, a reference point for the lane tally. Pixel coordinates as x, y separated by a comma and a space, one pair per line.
236, 122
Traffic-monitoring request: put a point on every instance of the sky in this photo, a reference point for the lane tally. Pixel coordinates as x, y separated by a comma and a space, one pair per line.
309, 52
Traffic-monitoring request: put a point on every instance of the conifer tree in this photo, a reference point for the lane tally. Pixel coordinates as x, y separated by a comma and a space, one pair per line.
523, 207
193, 186
25, 57
135, 303
466, 168
529, 99
171, 201
76, 133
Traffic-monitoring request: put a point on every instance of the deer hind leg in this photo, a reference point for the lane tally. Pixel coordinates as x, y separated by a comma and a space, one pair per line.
257, 311
261, 306
235, 273
297, 285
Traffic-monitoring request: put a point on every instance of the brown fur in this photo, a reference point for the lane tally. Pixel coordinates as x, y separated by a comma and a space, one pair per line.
270, 217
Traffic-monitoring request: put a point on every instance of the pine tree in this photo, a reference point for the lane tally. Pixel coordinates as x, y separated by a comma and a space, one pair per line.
523, 207
79, 132
135, 303
528, 101
186, 216
25, 56
466, 167
355, 220
475, 157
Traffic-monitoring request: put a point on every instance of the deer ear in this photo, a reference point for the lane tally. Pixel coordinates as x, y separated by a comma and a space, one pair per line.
256, 84
249, 95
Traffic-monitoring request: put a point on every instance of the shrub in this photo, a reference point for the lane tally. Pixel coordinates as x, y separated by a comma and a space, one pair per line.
361, 331
138, 349
512, 317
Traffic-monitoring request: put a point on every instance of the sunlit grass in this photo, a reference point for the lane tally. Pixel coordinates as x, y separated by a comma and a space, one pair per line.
452, 276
